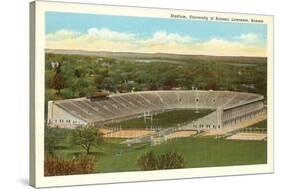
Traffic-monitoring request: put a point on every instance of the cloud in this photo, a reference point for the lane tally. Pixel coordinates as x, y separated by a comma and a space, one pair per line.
248, 37
107, 40
107, 34
61, 35
222, 47
167, 38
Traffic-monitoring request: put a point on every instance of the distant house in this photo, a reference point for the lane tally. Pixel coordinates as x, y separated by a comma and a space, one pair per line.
131, 82
106, 64
177, 88
54, 64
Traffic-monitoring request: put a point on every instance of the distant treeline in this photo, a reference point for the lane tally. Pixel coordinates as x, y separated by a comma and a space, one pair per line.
160, 56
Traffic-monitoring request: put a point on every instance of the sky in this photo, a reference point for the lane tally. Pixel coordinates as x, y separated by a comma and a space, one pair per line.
91, 32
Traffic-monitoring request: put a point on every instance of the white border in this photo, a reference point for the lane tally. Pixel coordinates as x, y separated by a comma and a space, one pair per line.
41, 181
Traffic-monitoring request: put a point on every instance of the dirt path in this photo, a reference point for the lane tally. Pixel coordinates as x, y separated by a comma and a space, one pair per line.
180, 134
131, 133
248, 136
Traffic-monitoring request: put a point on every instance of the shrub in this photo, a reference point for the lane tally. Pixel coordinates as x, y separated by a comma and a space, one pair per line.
150, 161
170, 161
54, 166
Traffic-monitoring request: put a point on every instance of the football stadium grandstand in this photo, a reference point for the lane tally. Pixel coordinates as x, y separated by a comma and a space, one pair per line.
228, 108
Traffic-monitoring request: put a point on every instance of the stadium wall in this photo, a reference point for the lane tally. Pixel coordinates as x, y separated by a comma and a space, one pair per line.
58, 117
235, 115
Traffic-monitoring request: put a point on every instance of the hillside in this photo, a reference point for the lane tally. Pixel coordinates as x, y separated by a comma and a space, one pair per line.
159, 56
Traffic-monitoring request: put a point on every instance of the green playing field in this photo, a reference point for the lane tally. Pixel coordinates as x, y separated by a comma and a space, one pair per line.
163, 120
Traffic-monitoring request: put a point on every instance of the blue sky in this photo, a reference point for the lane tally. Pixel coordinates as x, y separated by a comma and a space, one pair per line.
143, 28
147, 26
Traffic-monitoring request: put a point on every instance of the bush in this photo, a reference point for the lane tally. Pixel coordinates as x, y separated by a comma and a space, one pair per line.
54, 166
170, 160
148, 161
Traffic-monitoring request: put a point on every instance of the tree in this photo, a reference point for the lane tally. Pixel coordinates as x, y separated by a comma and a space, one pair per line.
86, 137
58, 82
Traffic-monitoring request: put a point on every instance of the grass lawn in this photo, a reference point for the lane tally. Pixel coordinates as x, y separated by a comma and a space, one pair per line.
163, 120
198, 152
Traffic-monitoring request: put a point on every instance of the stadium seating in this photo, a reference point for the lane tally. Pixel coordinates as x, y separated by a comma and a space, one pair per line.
136, 103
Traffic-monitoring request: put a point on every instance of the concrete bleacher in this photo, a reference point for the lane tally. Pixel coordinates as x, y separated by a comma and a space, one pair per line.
136, 103
169, 98
222, 98
153, 101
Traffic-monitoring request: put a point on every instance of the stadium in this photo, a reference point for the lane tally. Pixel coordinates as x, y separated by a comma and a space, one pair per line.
227, 111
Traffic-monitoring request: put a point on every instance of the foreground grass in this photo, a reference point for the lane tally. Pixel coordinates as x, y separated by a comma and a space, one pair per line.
112, 156
166, 119
198, 152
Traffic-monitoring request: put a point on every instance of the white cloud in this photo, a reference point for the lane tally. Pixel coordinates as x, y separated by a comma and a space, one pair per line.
248, 37
61, 35
110, 35
167, 38
108, 40
222, 47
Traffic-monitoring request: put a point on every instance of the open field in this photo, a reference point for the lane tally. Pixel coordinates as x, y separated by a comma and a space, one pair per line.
163, 120
198, 152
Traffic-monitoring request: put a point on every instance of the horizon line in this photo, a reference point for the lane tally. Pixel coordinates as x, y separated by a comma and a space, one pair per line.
179, 54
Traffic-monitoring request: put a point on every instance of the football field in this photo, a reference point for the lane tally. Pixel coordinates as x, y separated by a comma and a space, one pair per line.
162, 120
